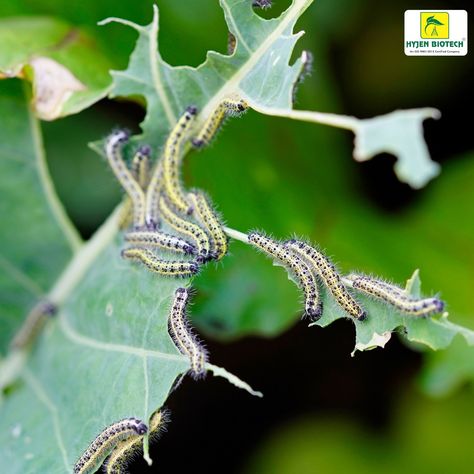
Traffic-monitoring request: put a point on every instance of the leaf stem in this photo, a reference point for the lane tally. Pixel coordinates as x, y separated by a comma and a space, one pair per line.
237, 235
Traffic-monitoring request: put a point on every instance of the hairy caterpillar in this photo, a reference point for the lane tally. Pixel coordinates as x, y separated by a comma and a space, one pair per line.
153, 193
263, 4
172, 158
113, 150
396, 296
141, 166
32, 324
188, 228
306, 279
305, 70
182, 334
177, 269
105, 442
160, 239
213, 123
126, 450
329, 275
208, 217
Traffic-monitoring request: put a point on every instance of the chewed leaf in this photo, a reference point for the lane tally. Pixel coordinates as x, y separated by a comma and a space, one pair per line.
401, 134
434, 332
66, 68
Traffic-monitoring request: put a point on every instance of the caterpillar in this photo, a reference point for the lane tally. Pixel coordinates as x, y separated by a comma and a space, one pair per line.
185, 227
208, 217
263, 4
126, 450
396, 296
172, 159
113, 149
213, 123
327, 272
153, 193
161, 239
305, 70
32, 324
141, 166
293, 263
181, 332
177, 269
105, 442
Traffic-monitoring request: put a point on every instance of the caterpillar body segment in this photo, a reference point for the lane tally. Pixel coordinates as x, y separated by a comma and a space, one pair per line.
161, 239
141, 166
294, 264
396, 296
182, 334
33, 323
228, 107
172, 160
206, 214
170, 268
187, 228
113, 149
125, 452
328, 274
153, 193
106, 441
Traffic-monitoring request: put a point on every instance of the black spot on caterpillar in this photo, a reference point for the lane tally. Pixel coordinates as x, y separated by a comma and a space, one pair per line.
188, 228
113, 149
294, 264
105, 442
126, 450
327, 272
214, 122
161, 239
181, 332
396, 296
209, 218
176, 269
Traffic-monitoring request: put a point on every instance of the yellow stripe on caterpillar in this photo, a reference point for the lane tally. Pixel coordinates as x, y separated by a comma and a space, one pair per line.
396, 296
161, 239
294, 264
208, 217
185, 227
170, 268
328, 274
113, 149
214, 122
181, 332
141, 166
105, 442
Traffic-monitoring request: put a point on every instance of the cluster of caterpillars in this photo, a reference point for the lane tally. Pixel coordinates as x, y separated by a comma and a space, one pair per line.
118, 444
311, 269
157, 197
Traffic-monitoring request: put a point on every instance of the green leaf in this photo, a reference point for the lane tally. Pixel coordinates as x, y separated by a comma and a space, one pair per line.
107, 354
259, 71
37, 238
433, 21
66, 68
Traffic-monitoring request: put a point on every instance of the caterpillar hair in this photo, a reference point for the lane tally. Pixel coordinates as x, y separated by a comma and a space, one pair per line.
327, 272
209, 218
181, 332
161, 239
396, 296
141, 166
113, 149
126, 450
169, 268
33, 323
172, 159
105, 442
187, 228
214, 122
306, 280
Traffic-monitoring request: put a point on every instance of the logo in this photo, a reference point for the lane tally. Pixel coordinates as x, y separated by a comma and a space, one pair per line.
435, 33
434, 25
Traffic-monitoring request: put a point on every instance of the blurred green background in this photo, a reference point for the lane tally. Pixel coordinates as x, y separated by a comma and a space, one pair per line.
323, 411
